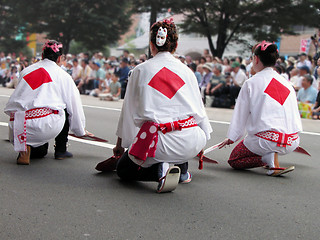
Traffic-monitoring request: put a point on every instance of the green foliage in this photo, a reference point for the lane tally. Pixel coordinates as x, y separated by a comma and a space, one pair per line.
11, 26
230, 19
93, 23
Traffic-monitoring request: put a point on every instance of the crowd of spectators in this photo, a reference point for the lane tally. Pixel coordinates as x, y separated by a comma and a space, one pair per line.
220, 80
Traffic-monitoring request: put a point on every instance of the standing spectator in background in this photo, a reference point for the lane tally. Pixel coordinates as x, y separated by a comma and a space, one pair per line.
143, 58
303, 61
203, 60
206, 53
315, 73
238, 78
182, 58
126, 55
188, 60
76, 71
295, 79
84, 76
307, 94
123, 76
291, 61
316, 109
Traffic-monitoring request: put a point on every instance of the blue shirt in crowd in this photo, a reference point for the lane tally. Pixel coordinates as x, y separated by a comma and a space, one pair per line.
309, 94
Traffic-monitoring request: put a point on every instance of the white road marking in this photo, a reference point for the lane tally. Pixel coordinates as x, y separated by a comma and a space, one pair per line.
7, 96
4, 124
99, 144
104, 108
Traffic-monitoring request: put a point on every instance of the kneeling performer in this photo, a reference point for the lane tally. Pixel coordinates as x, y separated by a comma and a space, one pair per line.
45, 104
267, 109
163, 120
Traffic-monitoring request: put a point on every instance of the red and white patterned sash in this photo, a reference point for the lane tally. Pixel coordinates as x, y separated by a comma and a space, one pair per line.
19, 119
145, 143
282, 139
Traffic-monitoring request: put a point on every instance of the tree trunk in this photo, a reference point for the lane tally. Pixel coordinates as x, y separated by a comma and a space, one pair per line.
211, 46
153, 19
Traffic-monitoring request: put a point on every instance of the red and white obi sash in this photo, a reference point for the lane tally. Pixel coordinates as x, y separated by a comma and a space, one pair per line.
282, 139
145, 143
19, 119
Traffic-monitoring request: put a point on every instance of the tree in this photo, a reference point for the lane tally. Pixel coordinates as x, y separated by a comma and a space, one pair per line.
231, 19
12, 34
155, 7
92, 23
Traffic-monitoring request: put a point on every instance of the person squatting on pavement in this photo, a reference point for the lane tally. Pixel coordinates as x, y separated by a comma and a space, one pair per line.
267, 109
45, 104
163, 120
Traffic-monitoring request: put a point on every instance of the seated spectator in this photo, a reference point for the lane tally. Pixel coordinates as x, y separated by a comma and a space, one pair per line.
76, 71
13, 76
217, 82
238, 78
69, 67
307, 94
114, 90
100, 74
207, 68
303, 70
193, 67
85, 73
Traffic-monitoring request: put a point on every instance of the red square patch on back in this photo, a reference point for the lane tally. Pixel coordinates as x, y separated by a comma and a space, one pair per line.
166, 82
277, 91
38, 77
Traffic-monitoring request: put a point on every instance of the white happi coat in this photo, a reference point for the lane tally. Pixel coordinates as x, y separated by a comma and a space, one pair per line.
164, 90
57, 92
266, 102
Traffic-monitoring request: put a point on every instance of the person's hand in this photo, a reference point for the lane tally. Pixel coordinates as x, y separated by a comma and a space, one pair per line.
212, 91
226, 142
207, 92
118, 151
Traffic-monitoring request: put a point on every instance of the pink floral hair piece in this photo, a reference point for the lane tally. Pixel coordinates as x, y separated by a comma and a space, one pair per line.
54, 46
168, 20
264, 45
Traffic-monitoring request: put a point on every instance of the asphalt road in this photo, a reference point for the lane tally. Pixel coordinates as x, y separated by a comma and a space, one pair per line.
68, 199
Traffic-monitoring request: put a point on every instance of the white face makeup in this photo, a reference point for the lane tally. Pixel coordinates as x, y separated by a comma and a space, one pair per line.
161, 36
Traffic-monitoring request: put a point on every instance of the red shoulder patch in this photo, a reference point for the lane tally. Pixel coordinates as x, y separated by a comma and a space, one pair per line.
277, 91
166, 82
38, 77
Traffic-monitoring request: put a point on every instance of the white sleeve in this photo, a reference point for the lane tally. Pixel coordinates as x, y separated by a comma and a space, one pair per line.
71, 97
126, 129
240, 115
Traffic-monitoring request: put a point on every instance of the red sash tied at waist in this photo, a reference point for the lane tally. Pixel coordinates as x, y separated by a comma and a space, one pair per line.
282, 139
145, 143
36, 113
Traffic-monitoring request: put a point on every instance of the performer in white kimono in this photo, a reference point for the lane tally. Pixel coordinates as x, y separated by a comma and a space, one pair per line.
267, 109
163, 119
45, 104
